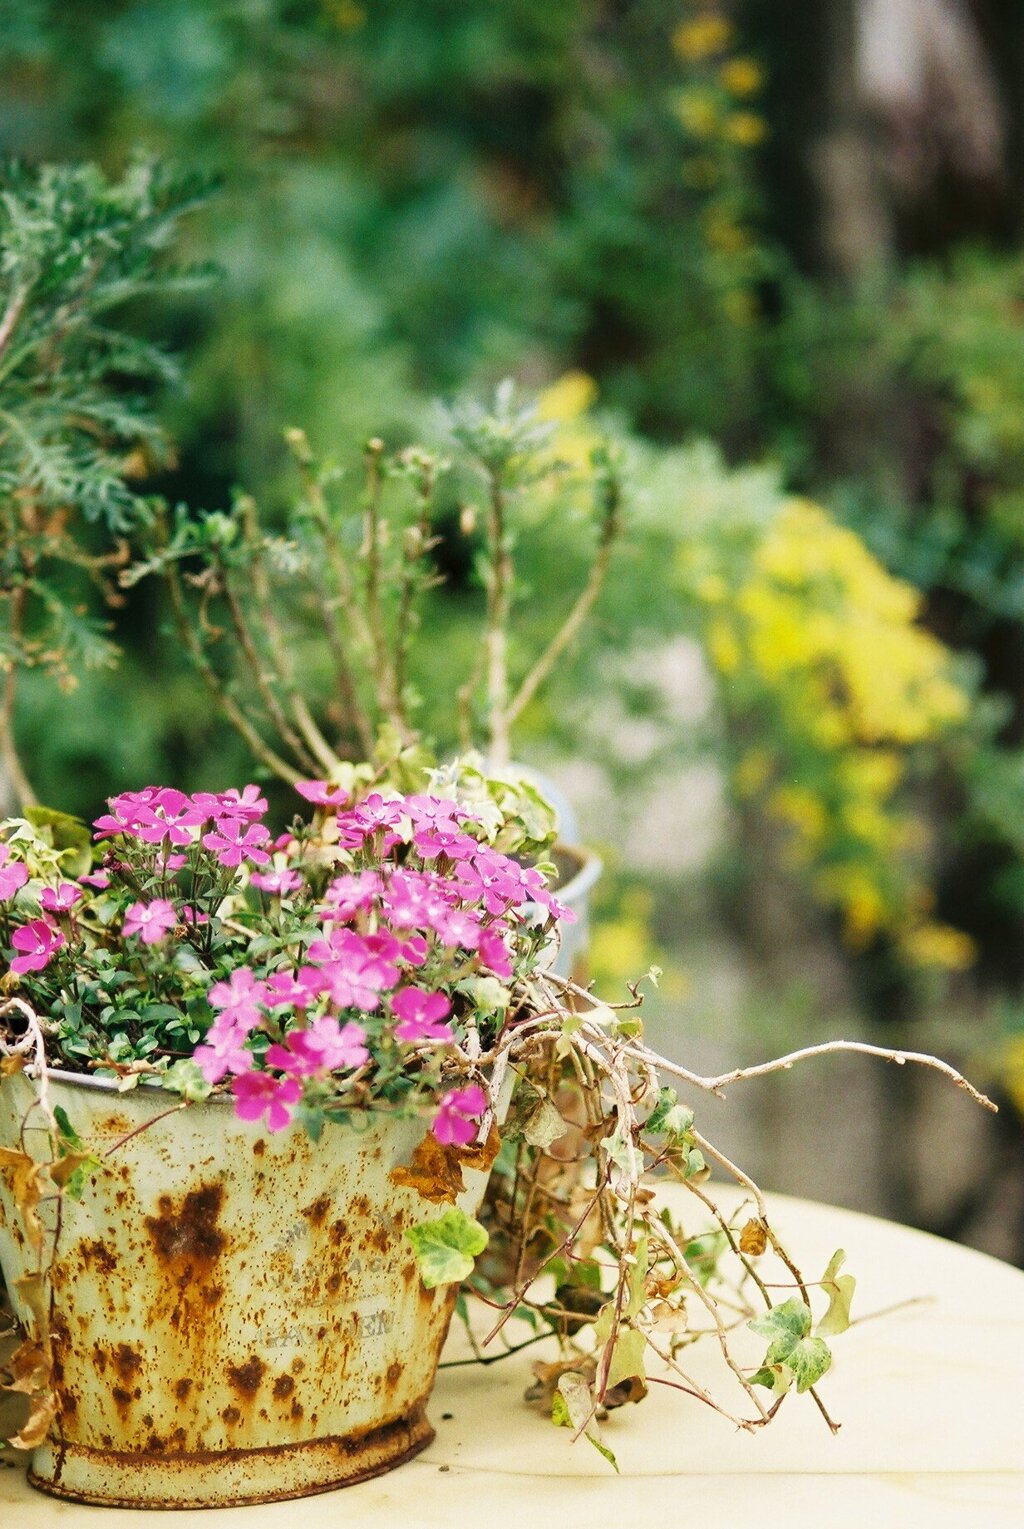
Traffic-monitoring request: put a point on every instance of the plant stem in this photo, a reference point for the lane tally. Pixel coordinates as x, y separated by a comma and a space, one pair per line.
499, 597
370, 552
225, 701
10, 760
611, 527
264, 596
247, 644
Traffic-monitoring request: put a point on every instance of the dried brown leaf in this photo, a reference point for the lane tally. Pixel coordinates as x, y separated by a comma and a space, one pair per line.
41, 1415
434, 1171
24, 1175
30, 1368
754, 1238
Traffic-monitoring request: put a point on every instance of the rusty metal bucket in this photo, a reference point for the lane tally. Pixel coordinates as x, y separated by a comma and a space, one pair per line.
237, 1317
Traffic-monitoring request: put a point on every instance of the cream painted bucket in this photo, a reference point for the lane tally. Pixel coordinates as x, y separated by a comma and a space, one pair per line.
237, 1316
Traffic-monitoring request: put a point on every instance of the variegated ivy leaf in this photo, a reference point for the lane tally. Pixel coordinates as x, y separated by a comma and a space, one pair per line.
445, 1248
839, 1288
788, 1327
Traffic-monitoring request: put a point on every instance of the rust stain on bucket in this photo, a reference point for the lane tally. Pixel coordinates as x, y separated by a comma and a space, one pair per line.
249, 1329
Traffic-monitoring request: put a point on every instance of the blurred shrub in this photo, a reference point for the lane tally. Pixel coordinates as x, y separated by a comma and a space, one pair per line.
831, 688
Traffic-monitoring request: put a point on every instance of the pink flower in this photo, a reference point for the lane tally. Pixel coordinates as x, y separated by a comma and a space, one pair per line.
420, 1014
325, 1046
13, 874
60, 900
152, 921
38, 940
492, 880
257, 1094
321, 794
223, 1050
456, 1121
457, 927
249, 804
494, 953
239, 998
349, 895
232, 842
286, 990
279, 883
356, 969
444, 839
98, 879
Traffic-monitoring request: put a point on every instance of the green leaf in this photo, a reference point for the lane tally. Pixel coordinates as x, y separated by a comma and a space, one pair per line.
445, 1248
776, 1377
668, 1117
572, 1406
66, 1129
184, 1078
637, 1277
603, 1449
787, 1327
627, 1356
839, 1289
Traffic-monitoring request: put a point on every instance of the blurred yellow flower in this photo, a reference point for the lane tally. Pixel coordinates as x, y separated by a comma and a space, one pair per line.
566, 399
724, 234
702, 37
939, 945
742, 76
1011, 1068
566, 404
346, 14
740, 308
723, 647
745, 128
697, 110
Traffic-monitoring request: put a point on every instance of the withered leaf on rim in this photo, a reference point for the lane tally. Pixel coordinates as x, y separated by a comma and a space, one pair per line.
29, 1367
24, 1175
41, 1415
434, 1172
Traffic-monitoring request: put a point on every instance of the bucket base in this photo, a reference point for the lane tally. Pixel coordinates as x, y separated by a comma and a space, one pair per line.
226, 1478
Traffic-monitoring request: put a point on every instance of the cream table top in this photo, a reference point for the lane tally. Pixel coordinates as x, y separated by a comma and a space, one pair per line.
931, 1399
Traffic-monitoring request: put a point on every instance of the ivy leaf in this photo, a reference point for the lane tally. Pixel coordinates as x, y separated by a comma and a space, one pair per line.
839, 1289
669, 1117
25, 1177
627, 1357
445, 1248
775, 1376
637, 1277
72, 1171
787, 1327
183, 1077
754, 1238
544, 1124
572, 1406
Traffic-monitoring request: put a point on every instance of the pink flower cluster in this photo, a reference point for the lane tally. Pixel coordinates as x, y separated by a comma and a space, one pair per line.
421, 890
374, 967
160, 815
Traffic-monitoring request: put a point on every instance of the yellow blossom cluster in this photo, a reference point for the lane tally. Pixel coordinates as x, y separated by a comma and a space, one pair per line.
820, 648
566, 403
713, 110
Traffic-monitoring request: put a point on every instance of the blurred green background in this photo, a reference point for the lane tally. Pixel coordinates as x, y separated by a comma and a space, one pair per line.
777, 250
